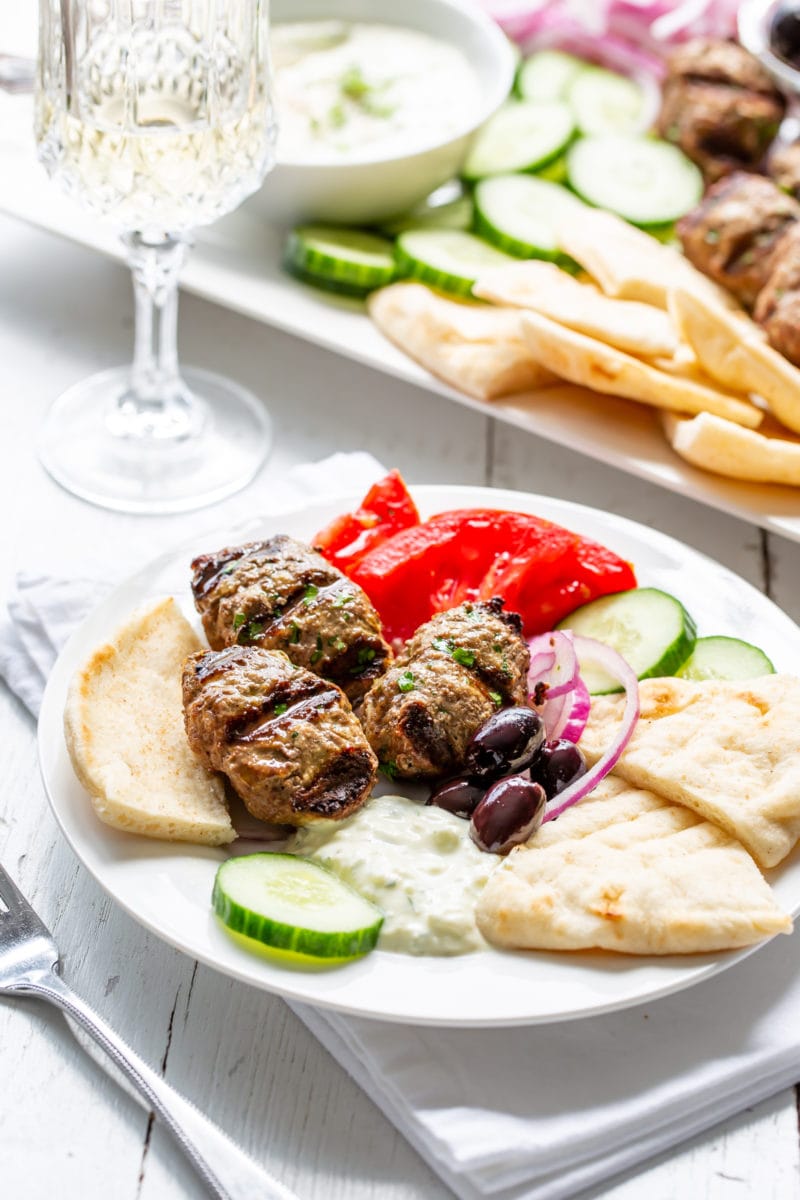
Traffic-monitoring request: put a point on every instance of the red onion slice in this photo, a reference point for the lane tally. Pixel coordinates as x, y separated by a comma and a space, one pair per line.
616, 666
578, 713
553, 662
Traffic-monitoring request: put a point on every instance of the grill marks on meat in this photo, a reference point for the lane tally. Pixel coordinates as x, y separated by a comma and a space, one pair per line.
287, 739
736, 234
778, 304
720, 106
284, 595
420, 716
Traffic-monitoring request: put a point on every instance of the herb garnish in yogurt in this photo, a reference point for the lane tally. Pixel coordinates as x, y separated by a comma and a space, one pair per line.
416, 863
345, 87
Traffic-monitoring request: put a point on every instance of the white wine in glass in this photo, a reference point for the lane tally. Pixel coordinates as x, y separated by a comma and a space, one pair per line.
157, 116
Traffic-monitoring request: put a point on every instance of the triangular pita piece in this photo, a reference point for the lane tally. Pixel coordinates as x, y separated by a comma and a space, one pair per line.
477, 348
125, 735
729, 751
624, 870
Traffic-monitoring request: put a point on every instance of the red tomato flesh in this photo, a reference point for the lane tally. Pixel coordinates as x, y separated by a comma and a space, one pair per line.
386, 509
542, 570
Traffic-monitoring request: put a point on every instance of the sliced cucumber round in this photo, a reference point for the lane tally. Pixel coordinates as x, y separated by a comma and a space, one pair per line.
650, 629
721, 657
521, 136
293, 904
446, 258
342, 260
547, 75
605, 102
519, 213
454, 214
644, 180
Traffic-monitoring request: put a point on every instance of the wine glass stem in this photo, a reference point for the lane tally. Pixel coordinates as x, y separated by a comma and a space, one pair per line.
157, 404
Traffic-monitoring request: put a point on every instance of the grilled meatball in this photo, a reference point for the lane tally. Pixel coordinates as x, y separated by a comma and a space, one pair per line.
287, 740
720, 106
285, 596
735, 234
778, 304
783, 166
455, 672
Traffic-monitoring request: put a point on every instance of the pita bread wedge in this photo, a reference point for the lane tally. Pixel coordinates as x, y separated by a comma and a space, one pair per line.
585, 360
728, 751
629, 325
125, 734
770, 455
733, 350
476, 348
625, 870
628, 263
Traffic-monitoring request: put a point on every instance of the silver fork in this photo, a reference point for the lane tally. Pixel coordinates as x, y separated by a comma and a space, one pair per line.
30, 966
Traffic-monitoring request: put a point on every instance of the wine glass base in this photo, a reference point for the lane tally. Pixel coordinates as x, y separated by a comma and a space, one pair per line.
219, 454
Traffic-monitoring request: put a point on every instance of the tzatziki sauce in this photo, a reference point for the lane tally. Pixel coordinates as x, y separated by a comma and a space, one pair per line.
416, 862
342, 88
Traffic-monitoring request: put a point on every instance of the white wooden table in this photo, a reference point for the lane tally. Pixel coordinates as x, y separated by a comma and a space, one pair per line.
66, 1131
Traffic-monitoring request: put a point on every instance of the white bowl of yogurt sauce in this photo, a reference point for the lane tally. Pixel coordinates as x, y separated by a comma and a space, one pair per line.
376, 103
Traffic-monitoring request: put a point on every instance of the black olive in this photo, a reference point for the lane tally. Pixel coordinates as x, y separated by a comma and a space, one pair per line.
506, 743
558, 765
784, 32
508, 814
457, 796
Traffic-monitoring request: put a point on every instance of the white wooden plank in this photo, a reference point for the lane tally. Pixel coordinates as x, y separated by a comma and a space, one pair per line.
755, 1155
279, 1093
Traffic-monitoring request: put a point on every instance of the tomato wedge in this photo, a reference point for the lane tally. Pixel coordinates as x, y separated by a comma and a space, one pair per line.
542, 570
386, 509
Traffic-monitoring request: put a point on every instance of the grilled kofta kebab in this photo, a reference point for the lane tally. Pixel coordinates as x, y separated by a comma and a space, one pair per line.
287, 739
736, 234
283, 595
720, 106
459, 668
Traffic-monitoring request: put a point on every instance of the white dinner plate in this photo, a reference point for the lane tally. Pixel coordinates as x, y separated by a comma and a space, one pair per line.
167, 886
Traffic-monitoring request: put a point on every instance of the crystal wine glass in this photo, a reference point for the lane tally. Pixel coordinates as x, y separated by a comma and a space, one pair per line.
157, 116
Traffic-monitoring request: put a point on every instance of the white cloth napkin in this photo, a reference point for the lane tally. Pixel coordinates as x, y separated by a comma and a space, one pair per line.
533, 1113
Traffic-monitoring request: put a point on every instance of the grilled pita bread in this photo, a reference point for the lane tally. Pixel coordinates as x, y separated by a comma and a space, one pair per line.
728, 751
769, 455
733, 350
476, 348
603, 368
125, 734
625, 870
641, 329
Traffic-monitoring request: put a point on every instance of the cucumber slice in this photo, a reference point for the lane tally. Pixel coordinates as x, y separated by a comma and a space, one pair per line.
725, 658
342, 260
518, 213
521, 136
547, 75
605, 102
455, 214
642, 179
446, 258
293, 904
650, 629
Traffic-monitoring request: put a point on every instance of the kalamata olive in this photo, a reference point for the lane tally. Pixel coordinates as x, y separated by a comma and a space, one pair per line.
457, 796
508, 814
558, 764
507, 742
784, 33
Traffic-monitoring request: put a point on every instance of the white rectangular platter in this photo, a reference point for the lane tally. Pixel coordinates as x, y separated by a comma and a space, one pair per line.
237, 264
